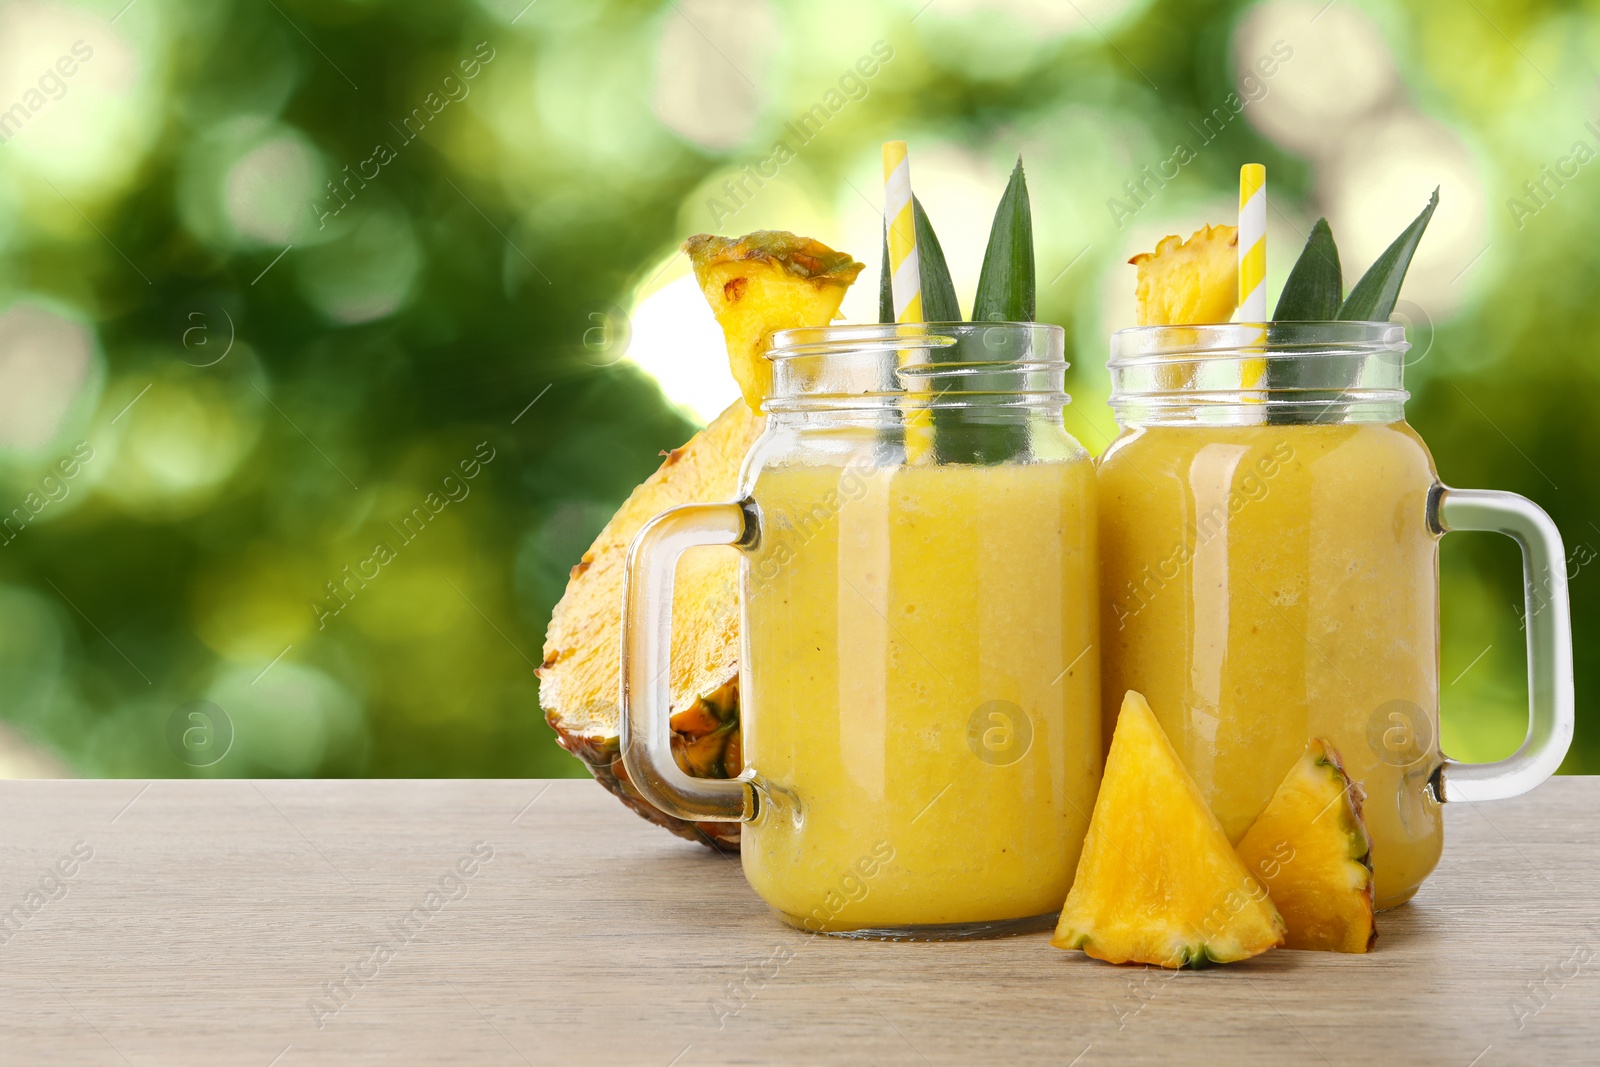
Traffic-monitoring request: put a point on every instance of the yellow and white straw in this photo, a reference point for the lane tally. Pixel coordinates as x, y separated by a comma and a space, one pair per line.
1252, 243
905, 285
905, 270
1253, 266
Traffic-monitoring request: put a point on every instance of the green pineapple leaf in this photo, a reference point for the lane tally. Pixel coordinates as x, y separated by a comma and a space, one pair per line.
1314, 290
939, 303
1373, 298
1006, 289
885, 283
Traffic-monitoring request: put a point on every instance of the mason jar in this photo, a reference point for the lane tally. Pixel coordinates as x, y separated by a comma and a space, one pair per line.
919, 676
1270, 574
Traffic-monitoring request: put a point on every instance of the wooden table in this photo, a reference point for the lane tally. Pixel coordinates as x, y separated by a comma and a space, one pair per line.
211, 918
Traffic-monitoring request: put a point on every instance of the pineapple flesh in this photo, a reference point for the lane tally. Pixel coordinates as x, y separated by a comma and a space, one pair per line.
765, 281
1157, 881
1310, 847
1189, 283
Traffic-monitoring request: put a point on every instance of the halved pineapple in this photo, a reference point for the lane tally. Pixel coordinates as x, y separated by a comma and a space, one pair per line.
1310, 846
1158, 881
756, 284
1189, 283
765, 281
578, 680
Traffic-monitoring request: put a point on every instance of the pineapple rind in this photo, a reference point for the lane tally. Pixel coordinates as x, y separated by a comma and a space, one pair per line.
1157, 881
603, 757
803, 256
705, 736
1325, 891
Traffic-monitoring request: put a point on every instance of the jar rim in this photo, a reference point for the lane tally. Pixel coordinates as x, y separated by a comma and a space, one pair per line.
1230, 340
991, 367
1241, 373
897, 336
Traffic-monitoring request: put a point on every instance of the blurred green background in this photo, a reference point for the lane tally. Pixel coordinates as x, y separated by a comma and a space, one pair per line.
284, 279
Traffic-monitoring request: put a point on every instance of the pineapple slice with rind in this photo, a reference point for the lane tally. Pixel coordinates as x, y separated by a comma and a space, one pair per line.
578, 679
1157, 881
765, 281
1189, 283
1311, 849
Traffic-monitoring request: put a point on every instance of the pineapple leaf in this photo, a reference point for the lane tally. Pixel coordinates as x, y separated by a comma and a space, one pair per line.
939, 303
1314, 290
885, 284
1006, 283
1374, 296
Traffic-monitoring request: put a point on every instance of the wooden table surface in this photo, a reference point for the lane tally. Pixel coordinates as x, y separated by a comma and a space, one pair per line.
204, 923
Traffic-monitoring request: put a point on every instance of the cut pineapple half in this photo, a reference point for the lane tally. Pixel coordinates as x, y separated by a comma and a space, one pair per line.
1310, 846
766, 281
756, 284
1189, 283
1158, 881
582, 649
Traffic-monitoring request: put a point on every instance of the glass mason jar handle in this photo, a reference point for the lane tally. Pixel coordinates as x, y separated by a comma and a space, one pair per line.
1548, 620
646, 697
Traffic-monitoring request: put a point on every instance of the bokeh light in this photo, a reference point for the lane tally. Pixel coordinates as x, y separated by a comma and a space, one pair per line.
47, 362
265, 190
368, 272
288, 720
250, 182
176, 441
1341, 70
78, 98
700, 89
678, 343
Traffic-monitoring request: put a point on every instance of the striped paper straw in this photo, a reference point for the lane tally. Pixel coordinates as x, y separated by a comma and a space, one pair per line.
1253, 264
905, 270
905, 286
1252, 243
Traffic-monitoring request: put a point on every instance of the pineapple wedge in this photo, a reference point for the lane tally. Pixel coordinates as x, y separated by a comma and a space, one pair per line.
1158, 881
1189, 283
765, 281
1310, 847
582, 648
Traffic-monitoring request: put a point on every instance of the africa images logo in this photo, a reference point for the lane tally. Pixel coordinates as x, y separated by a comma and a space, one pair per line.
999, 732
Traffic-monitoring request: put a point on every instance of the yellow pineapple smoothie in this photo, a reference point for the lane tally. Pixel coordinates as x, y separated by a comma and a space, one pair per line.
1265, 584
922, 643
